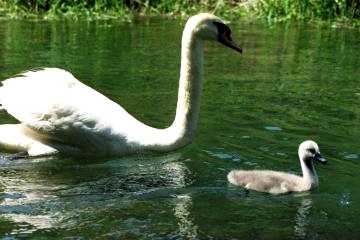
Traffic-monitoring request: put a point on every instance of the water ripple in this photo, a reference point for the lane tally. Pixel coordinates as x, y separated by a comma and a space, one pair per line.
225, 155
273, 128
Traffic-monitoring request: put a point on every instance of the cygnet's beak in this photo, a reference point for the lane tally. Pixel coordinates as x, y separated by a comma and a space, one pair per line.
229, 42
320, 158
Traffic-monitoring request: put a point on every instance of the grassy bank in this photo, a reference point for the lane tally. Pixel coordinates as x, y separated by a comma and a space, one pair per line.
347, 11
120, 9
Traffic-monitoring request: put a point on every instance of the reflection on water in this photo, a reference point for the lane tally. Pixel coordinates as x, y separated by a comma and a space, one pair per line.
182, 209
293, 82
345, 199
302, 218
34, 202
38, 222
20, 203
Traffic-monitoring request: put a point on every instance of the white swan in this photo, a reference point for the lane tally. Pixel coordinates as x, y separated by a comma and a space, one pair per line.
280, 182
59, 114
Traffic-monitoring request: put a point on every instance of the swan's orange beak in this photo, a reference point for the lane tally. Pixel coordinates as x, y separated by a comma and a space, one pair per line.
226, 40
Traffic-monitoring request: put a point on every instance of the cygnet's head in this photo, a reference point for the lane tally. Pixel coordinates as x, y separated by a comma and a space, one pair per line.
309, 151
209, 27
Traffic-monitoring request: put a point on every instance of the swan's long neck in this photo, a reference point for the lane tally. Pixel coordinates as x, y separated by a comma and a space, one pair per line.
190, 86
183, 128
309, 174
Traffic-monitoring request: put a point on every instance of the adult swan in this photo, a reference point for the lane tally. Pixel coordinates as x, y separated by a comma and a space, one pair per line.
59, 114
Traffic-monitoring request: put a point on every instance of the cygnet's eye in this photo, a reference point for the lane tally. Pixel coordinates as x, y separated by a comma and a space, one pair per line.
312, 150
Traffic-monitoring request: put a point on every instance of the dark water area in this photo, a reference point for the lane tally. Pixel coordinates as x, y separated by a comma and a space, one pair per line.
293, 82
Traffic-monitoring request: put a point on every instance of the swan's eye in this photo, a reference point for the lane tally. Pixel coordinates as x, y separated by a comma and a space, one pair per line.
224, 36
223, 30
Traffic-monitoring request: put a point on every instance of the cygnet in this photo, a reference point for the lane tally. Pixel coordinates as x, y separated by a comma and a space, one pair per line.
280, 182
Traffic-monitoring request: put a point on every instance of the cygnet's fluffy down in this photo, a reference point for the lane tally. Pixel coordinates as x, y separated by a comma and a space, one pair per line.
280, 182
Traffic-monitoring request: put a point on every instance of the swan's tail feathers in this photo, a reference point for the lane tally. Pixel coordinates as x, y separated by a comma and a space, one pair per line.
13, 139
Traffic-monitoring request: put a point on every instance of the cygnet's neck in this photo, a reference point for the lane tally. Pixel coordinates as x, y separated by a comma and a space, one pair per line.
309, 174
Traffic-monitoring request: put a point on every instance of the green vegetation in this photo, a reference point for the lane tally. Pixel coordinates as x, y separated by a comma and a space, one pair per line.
341, 10
271, 10
89, 9
124, 9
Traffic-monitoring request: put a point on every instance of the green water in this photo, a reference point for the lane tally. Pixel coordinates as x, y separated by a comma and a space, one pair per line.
291, 84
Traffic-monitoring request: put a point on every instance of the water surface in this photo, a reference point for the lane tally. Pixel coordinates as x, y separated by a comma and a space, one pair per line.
292, 83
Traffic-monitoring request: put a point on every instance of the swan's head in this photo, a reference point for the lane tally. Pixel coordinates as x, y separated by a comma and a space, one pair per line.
209, 27
309, 151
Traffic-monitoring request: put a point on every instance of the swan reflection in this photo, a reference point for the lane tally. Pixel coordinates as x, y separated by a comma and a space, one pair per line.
302, 218
182, 209
40, 195
177, 174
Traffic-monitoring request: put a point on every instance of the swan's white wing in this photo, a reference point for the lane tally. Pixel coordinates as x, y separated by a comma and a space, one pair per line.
58, 107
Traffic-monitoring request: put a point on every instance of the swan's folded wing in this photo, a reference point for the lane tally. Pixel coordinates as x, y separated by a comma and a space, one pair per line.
56, 106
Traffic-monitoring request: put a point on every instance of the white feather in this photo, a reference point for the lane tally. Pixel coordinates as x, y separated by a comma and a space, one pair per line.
280, 182
58, 111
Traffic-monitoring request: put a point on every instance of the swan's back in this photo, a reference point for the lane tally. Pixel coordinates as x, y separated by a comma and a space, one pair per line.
33, 93
57, 108
266, 181
30, 95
